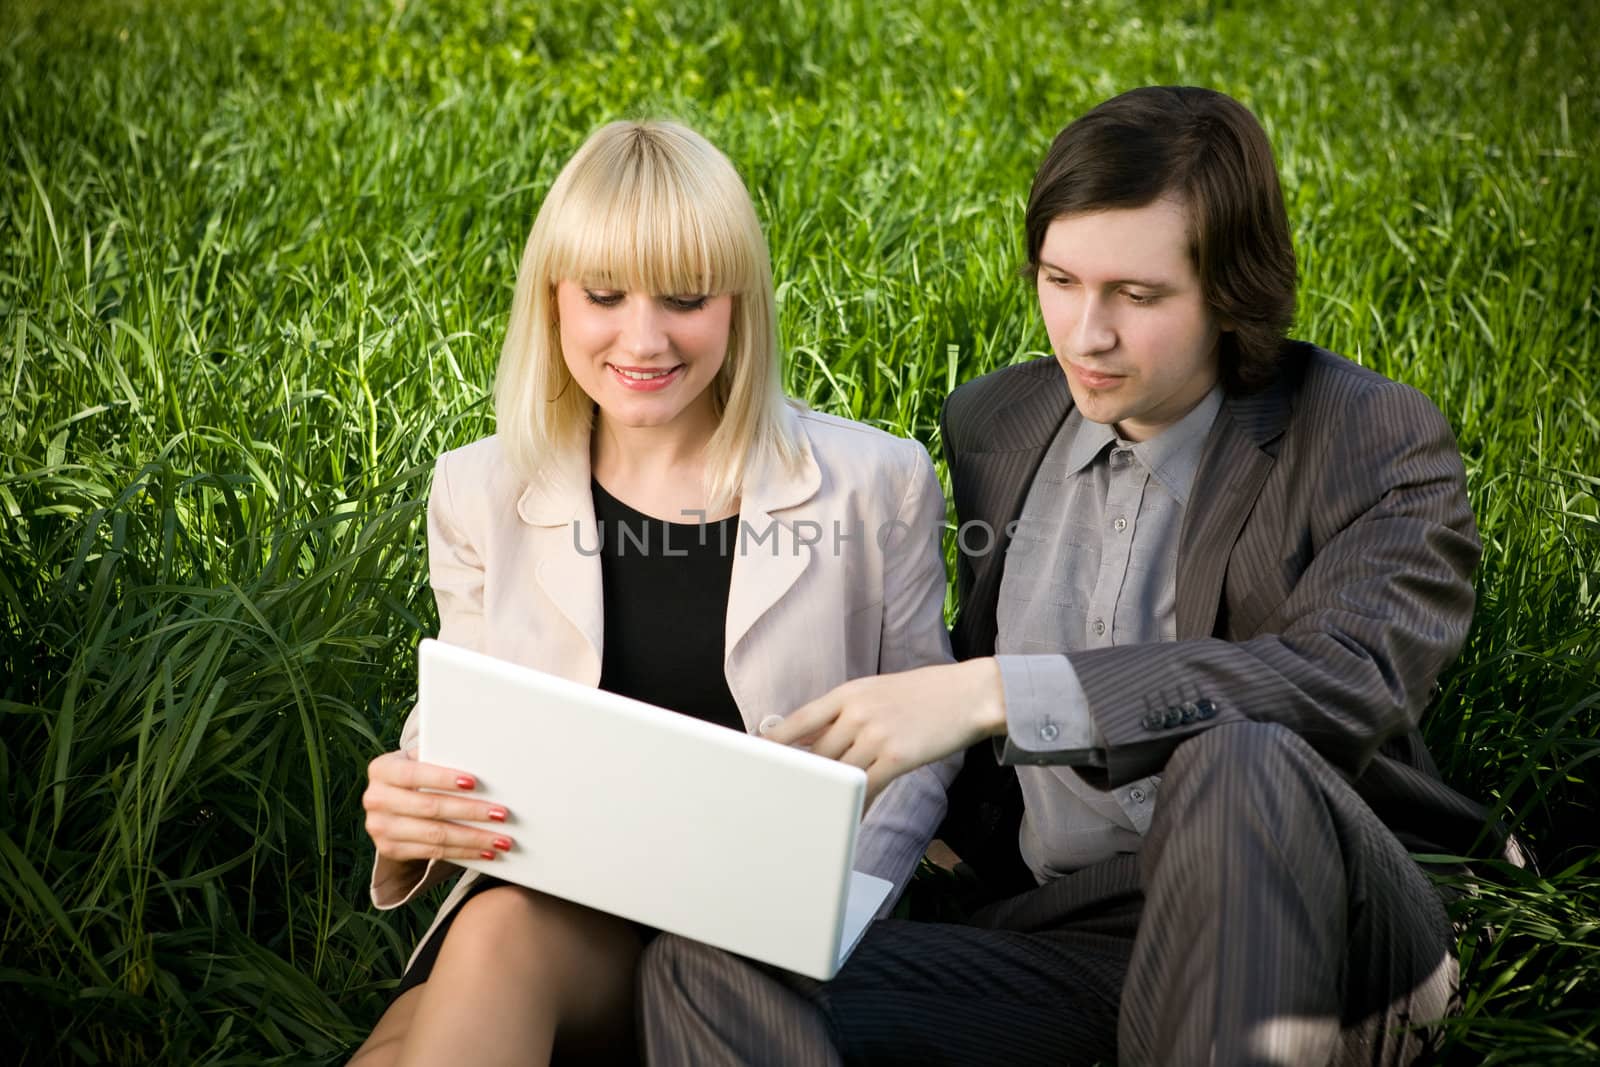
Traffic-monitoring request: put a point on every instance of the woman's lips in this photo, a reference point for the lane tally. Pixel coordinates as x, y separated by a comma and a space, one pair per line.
652, 384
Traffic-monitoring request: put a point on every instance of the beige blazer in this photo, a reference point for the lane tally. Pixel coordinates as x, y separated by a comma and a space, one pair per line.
838, 574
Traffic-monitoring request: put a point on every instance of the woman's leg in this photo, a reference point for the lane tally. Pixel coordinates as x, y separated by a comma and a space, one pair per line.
382, 1047
520, 976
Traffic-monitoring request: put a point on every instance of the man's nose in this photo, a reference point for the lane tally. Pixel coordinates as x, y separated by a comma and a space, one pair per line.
644, 329
1096, 330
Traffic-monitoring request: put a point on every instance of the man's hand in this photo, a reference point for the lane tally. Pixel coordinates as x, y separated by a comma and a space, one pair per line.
889, 724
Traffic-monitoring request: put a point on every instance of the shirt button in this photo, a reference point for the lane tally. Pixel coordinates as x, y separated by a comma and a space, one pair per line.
1120, 525
1136, 795
1099, 627
1048, 732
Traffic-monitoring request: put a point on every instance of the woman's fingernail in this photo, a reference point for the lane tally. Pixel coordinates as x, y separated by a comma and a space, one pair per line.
487, 854
503, 844
466, 781
769, 722
498, 814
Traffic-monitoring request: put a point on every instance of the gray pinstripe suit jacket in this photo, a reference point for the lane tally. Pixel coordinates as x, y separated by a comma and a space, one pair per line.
1324, 582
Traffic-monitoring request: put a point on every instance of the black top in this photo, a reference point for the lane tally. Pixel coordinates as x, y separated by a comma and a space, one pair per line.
665, 591
665, 595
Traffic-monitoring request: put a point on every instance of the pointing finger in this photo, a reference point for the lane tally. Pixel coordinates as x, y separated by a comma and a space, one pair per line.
803, 722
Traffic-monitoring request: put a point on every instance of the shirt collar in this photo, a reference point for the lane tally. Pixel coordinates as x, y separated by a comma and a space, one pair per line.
1173, 455
1089, 439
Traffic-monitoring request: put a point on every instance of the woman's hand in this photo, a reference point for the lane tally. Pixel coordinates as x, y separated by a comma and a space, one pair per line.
408, 824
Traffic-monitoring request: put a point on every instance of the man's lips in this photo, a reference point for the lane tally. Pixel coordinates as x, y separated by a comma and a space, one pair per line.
1093, 379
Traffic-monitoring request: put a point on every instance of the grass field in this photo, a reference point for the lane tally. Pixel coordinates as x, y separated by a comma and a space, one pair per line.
255, 260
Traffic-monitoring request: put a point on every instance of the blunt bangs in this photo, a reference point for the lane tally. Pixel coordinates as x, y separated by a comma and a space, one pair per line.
640, 220
648, 207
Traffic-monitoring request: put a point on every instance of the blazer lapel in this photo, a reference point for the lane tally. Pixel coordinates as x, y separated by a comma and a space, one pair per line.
1233, 468
991, 485
768, 557
561, 508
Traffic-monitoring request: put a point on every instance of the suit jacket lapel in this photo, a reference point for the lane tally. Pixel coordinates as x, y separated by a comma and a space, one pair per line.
561, 507
768, 558
1233, 467
991, 485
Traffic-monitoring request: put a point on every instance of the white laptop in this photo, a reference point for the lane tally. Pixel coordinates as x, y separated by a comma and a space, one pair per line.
654, 816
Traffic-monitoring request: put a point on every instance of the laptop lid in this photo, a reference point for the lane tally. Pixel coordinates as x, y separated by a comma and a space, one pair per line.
651, 815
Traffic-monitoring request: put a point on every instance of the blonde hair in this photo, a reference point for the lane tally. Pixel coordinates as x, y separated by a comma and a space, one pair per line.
650, 207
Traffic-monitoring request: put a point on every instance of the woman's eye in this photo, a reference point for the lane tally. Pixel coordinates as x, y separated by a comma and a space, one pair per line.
1141, 298
1058, 280
602, 297
685, 303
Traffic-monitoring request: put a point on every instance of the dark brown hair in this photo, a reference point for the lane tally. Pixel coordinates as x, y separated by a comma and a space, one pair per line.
1208, 150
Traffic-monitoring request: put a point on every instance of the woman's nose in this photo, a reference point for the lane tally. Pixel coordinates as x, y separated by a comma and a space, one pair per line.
644, 331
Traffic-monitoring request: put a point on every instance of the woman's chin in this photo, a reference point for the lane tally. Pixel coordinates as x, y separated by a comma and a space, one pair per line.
637, 420
642, 412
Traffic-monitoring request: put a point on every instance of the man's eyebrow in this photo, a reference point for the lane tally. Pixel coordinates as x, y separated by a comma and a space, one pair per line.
1143, 283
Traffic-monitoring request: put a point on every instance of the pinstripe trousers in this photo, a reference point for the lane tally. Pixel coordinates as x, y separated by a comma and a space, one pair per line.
1269, 919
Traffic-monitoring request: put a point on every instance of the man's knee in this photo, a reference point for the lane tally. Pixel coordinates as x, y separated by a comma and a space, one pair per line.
661, 964
703, 1006
1238, 750
1239, 743
1242, 773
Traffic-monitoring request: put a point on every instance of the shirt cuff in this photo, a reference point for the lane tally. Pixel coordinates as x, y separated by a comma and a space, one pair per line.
1047, 714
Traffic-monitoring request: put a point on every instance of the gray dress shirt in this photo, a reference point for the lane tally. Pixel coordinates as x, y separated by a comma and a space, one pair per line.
1092, 563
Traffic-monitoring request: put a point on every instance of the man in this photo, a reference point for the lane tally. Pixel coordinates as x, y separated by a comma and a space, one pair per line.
1208, 578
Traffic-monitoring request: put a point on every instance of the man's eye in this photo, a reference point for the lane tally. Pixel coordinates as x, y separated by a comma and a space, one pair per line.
685, 303
602, 297
1141, 298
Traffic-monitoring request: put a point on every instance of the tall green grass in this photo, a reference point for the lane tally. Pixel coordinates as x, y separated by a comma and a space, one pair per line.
254, 264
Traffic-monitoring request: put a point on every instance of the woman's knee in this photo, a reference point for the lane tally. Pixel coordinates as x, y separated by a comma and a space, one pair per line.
498, 916
582, 960
510, 926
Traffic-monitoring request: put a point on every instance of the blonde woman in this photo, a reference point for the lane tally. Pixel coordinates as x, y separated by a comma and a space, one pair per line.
655, 518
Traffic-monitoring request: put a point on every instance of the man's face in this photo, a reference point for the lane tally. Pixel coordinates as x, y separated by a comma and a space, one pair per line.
1122, 304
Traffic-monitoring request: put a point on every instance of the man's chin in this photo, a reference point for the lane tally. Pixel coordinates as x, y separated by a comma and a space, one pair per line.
1093, 407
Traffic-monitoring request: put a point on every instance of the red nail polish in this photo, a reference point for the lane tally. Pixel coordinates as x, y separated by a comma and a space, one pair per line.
487, 854
503, 844
466, 781
498, 814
